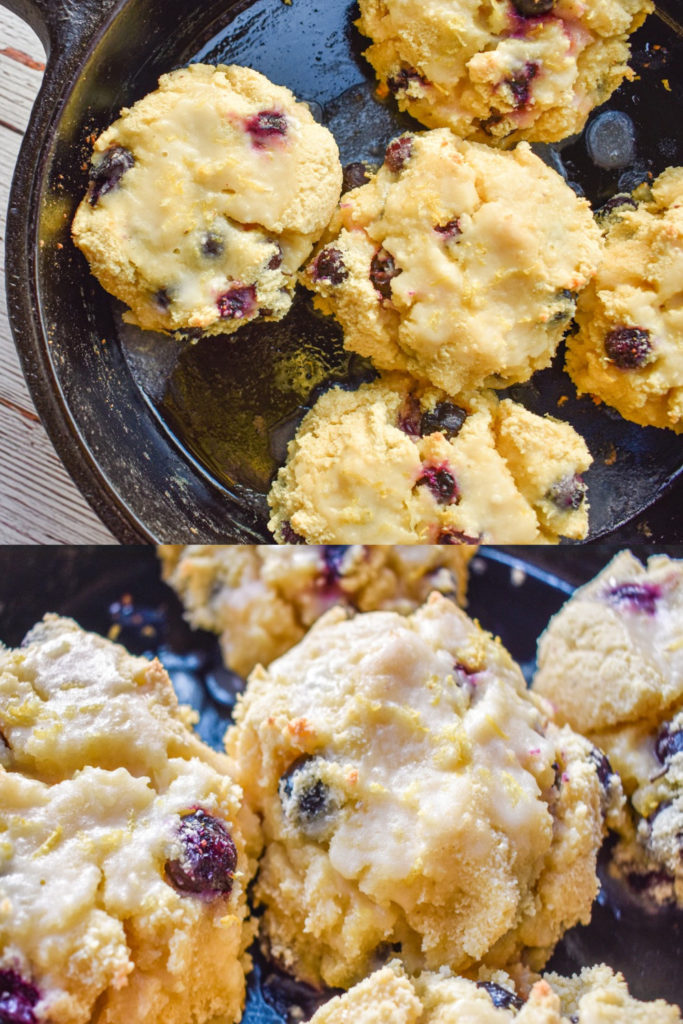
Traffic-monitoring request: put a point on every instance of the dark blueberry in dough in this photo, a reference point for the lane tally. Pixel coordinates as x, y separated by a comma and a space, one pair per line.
207, 863
275, 261
383, 270
637, 597
305, 798
410, 416
602, 767
628, 347
213, 244
451, 536
520, 82
441, 483
569, 492
290, 536
329, 266
266, 126
106, 175
445, 417
668, 743
399, 153
620, 199
403, 78
449, 230
237, 302
533, 8
354, 175
502, 998
333, 556
17, 999
162, 299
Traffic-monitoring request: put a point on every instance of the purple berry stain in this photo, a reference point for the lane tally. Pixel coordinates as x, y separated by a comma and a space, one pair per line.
636, 597
17, 999
628, 347
450, 230
206, 865
519, 84
399, 153
266, 127
333, 556
237, 302
383, 270
106, 175
329, 266
441, 483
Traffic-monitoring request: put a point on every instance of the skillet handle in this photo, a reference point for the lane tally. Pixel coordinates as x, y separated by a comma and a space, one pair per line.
60, 24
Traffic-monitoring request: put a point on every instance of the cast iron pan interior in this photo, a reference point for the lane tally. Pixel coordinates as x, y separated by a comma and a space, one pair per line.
171, 441
512, 591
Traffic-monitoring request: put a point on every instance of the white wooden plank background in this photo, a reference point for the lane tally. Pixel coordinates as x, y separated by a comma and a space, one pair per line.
39, 503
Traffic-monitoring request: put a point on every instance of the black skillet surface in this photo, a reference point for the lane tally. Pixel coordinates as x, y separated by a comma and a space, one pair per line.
180, 443
512, 591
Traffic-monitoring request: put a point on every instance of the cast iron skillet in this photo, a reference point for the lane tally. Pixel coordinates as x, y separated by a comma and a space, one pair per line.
180, 443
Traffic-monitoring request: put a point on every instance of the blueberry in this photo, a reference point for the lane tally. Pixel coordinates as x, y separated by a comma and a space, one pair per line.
163, 299
628, 347
441, 483
106, 175
519, 84
206, 866
450, 230
17, 999
401, 81
354, 176
265, 126
333, 556
668, 743
383, 270
213, 244
502, 998
620, 199
399, 153
275, 261
289, 535
410, 416
602, 767
569, 492
533, 8
306, 799
237, 302
637, 597
452, 536
329, 266
444, 417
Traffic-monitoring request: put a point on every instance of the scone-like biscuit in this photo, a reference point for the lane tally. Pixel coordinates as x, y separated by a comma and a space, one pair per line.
456, 262
414, 797
501, 71
125, 850
596, 996
629, 348
262, 599
611, 662
205, 198
395, 462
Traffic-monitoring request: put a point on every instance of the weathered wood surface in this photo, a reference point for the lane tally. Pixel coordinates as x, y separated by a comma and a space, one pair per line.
39, 503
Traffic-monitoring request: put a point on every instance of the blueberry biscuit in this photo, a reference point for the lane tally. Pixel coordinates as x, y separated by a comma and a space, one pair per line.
507, 70
456, 262
611, 662
262, 599
629, 348
205, 198
480, 819
395, 462
125, 850
597, 996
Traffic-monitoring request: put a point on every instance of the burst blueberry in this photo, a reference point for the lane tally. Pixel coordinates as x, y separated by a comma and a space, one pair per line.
106, 175
602, 767
306, 799
450, 230
519, 84
17, 999
237, 302
289, 535
208, 858
628, 347
403, 79
452, 536
329, 266
668, 743
333, 557
441, 483
637, 597
354, 175
569, 492
383, 270
267, 126
502, 998
213, 244
446, 418
399, 153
